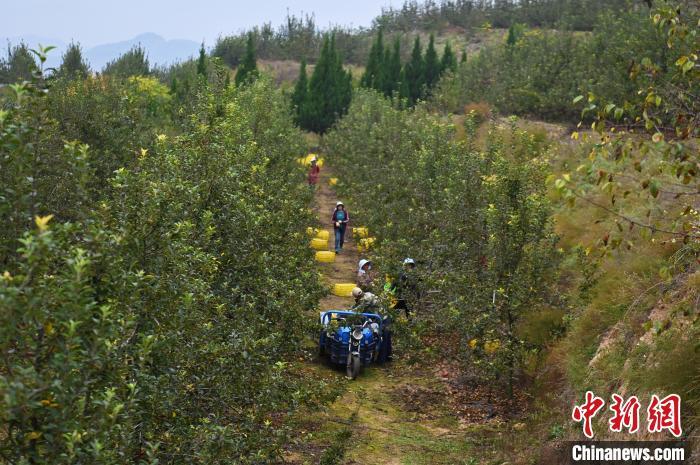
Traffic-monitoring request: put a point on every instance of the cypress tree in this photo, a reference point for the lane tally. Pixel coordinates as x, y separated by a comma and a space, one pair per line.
449, 61
330, 89
132, 63
515, 32
202, 61
404, 88
18, 66
300, 96
248, 69
511, 39
432, 64
464, 57
382, 82
392, 66
342, 85
372, 77
414, 73
73, 64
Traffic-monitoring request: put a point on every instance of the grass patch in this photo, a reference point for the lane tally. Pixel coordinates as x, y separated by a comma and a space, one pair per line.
335, 453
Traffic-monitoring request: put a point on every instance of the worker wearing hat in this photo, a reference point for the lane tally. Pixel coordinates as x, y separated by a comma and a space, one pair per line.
406, 288
340, 220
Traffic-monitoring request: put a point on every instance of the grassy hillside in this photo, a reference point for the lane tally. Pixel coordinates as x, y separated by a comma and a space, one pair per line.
285, 72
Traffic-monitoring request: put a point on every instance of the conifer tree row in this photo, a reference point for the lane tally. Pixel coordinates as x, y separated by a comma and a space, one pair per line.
318, 102
73, 64
248, 70
414, 80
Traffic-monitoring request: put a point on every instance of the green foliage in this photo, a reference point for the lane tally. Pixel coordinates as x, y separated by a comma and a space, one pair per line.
248, 69
202, 61
187, 84
415, 73
384, 72
73, 64
296, 39
335, 453
300, 97
115, 117
392, 75
448, 63
329, 93
659, 168
446, 15
373, 77
515, 32
539, 72
134, 326
132, 63
432, 67
476, 221
404, 89
18, 65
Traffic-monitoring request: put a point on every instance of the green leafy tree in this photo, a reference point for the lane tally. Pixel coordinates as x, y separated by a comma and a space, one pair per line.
248, 69
499, 241
202, 61
300, 96
374, 70
330, 89
415, 73
464, 57
392, 79
515, 32
18, 65
404, 86
654, 164
432, 68
449, 60
73, 64
132, 63
134, 329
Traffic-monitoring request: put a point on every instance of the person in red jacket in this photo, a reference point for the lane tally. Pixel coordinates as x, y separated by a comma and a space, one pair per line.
313, 173
340, 221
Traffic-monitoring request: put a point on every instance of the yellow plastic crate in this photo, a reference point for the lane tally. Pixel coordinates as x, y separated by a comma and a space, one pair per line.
492, 346
360, 232
319, 244
323, 234
306, 161
365, 244
368, 241
325, 256
343, 289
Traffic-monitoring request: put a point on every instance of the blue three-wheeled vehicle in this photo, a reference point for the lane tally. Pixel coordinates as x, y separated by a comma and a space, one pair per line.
354, 339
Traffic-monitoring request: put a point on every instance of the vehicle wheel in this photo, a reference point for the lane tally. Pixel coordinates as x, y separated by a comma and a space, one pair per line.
353, 369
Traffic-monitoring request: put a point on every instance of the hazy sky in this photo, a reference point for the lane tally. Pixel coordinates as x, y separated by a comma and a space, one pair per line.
94, 22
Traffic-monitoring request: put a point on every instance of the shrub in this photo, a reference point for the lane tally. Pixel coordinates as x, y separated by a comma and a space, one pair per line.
137, 332
477, 221
480, 111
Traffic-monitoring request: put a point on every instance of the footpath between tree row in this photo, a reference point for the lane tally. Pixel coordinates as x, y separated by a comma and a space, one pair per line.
393, 414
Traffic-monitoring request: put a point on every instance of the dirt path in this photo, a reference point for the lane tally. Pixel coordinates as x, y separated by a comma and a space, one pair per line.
393, 414
344, 268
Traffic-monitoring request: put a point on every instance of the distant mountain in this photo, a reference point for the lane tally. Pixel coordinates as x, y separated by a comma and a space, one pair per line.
160, 51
